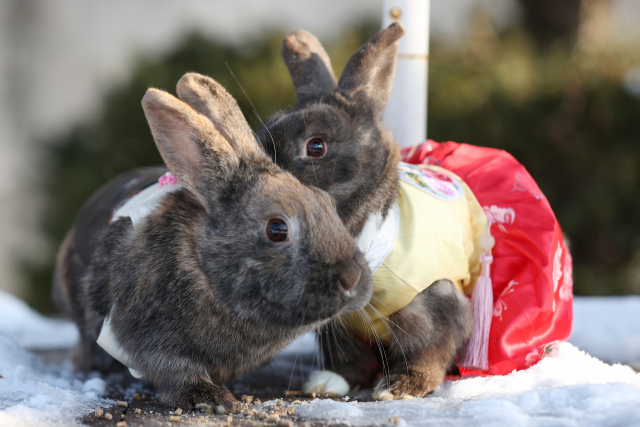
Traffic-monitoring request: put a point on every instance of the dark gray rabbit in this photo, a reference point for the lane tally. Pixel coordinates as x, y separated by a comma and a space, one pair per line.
333, 140
222, 272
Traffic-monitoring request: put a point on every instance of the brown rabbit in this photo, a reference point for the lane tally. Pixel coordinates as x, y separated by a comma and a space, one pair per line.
333, 140
221, 272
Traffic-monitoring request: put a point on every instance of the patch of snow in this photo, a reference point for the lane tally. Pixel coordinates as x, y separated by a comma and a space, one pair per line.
31, 330
608, 328
32, 394
571, 389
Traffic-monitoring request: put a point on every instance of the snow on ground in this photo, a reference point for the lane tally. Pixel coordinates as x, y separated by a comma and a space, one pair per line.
608, 328
31, 330
570, 389
32, 394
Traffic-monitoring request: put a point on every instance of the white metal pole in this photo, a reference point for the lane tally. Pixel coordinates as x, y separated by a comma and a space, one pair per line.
406, 112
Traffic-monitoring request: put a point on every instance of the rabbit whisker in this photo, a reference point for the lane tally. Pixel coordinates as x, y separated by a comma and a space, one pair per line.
399, 312
255, 111
383, 355
385, 322
294, 365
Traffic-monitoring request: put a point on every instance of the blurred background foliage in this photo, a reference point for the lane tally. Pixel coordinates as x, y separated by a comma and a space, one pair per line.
539, 90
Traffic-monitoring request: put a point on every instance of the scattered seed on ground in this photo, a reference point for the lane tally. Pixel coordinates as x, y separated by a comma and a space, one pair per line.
136, 396
138, 410
121, 424
122, 403
178, 411
108, 416
174, 418
99, 412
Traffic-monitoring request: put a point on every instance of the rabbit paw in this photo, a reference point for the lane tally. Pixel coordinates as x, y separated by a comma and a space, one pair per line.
326, 383
210, 398
404, 387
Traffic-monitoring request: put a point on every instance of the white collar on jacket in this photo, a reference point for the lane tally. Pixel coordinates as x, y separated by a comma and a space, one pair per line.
378, 236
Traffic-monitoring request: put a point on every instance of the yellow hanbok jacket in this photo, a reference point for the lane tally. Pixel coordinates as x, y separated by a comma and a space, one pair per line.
431, 233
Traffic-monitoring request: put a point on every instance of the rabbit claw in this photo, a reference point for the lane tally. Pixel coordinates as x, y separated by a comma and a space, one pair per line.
404, 387
209, 398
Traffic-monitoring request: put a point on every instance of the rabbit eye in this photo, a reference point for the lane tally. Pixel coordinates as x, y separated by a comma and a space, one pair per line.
316, 147
277, 230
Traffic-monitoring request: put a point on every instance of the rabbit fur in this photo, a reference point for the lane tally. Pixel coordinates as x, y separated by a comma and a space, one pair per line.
359, 170
197, 294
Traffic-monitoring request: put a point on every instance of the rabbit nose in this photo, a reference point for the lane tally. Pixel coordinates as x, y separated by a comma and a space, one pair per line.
349, 273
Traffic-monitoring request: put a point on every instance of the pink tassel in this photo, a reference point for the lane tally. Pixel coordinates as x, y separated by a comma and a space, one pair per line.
476, 355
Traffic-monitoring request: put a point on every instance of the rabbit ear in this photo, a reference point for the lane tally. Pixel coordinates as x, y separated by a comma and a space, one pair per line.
308, 64
191, 147
210, 99
370, 70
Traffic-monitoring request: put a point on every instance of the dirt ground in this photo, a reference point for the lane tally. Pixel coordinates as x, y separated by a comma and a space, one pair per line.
268, 397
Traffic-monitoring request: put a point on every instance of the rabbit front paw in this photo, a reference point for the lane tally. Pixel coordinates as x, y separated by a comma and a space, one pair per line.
326, 383
209, 397
403, 386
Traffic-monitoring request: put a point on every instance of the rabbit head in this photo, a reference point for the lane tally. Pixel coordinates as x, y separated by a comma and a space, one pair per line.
273, 250
333, 138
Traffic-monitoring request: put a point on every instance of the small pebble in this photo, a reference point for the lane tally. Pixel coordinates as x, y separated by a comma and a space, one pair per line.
99, 412
122, 416
174, 418
178, 411
121, 424
122, 404
138, 410
136, 396
108, 416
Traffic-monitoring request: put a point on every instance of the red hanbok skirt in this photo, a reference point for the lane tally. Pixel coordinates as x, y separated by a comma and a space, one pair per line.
531, 271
